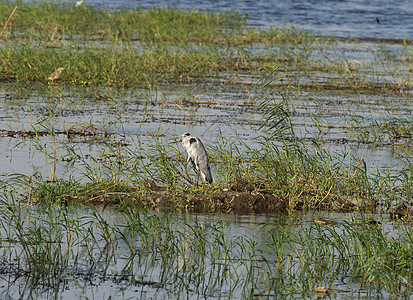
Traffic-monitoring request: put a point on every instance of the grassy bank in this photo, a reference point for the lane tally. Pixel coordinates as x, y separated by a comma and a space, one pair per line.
268, 180
120, 67
127, 47
158, 25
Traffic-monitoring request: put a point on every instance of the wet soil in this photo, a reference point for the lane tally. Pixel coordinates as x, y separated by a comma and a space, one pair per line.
217, 200
207, 201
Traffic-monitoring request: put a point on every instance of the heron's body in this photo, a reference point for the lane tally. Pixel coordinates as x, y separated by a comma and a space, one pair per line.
197, 156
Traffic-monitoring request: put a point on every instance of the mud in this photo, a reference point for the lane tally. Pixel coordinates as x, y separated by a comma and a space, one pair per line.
214, 200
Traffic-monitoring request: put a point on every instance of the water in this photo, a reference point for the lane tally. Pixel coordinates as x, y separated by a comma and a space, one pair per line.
132, 120
346, 18
107, 254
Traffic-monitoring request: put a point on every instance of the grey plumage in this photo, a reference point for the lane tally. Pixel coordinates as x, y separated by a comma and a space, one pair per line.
197, 156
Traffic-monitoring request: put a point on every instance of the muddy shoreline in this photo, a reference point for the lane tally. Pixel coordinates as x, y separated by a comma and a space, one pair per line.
218, 200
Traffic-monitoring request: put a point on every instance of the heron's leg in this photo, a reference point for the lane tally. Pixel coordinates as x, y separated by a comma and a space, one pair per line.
193, 167
197, 178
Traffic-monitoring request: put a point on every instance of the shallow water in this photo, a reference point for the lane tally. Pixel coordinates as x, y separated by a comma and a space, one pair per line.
100, 265
134, 121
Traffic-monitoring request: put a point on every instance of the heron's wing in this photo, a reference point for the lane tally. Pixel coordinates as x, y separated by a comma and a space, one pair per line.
202, 161
206, 173
190, 160
198, 156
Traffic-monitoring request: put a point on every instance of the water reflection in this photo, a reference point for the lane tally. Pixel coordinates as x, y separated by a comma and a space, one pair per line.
121, 252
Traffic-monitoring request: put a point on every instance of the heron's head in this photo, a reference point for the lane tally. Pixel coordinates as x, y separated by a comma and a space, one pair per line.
185, 140
183, 136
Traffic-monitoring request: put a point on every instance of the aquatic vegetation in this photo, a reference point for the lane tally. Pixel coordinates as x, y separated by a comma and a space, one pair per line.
107, 66
92, 139
161, 253
277, 170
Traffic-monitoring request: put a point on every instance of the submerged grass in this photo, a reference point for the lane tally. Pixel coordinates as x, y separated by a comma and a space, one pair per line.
364, 251
166, 255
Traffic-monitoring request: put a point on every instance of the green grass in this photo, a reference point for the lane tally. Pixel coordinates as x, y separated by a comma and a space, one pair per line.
63, 20
120, 64
72, 191
113, 66
127, 47
170, 26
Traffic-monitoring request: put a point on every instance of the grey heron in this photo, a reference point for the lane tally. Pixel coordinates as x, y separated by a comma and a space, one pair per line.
197, 156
